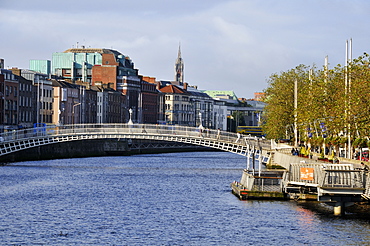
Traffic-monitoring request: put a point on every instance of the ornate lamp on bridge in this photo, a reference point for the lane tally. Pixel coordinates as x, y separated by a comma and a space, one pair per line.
130, 120
200, 120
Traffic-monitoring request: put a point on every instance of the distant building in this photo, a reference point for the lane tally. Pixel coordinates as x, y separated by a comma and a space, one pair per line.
250, 110
259, 96
202, 105
185, 105
177, 106
26, 100
43, 112
220, 115
228, 97
9, 89
104, 68
41, 66
66, 103
112, 109
152, 98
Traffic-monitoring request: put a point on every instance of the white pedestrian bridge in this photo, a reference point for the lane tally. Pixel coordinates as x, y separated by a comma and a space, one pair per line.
18, 140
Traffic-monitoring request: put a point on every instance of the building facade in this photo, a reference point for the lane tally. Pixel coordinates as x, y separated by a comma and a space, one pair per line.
9, 84
151, 100
177, 107
44, 95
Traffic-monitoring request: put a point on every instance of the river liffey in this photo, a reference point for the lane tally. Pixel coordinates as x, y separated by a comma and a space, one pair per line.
162, 199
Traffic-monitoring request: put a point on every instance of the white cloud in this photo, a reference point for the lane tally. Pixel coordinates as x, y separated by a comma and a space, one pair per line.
229, 45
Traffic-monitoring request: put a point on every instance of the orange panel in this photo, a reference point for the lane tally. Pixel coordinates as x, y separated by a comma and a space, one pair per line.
307, 173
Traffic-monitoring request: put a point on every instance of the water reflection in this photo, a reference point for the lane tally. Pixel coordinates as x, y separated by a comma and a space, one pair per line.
166, 199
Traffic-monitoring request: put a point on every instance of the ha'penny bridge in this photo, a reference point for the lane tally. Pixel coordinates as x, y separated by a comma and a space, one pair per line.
337, 184
19, 140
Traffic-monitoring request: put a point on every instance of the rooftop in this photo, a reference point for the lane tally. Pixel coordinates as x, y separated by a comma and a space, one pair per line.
93, 50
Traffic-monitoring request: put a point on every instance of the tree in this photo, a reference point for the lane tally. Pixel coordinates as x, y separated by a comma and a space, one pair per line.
330, 104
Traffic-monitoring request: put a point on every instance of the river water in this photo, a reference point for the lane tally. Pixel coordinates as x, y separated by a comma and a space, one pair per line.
162, 199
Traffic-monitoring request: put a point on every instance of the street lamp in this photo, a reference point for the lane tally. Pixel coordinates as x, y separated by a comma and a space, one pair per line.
73, 112
200, 120
130, 120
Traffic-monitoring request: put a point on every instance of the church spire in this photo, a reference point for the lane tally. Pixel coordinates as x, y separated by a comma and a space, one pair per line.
179, 68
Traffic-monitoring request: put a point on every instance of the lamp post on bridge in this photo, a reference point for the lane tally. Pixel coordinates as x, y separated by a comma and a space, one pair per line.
200, 120
130, 120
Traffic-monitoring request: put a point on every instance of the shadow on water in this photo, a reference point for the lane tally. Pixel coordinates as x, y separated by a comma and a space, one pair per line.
359, 211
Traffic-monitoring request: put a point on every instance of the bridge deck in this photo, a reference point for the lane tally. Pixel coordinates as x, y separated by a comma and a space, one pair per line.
22, 139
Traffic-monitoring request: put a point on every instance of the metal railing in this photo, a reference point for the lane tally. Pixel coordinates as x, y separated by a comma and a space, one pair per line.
342, 179
193, 135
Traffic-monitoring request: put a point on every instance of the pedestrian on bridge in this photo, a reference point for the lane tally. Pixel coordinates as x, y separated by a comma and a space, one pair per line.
200, 131
218, 133
238, 138
143, 130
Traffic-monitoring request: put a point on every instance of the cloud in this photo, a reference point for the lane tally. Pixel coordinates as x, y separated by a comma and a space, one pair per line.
226, 44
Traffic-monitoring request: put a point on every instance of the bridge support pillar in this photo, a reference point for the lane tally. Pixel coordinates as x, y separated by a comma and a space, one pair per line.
339, 208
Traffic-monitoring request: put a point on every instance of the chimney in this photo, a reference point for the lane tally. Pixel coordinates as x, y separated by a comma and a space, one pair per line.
158, 87
2, 63
16, 71
185, 86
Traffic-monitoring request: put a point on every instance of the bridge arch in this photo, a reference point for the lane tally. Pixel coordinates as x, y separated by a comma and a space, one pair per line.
14, 141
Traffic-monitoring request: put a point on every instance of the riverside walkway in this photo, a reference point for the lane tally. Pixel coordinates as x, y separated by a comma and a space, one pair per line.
14, 141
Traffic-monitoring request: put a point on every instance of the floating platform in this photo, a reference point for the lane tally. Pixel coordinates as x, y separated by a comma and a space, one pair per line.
259, 185
243, 193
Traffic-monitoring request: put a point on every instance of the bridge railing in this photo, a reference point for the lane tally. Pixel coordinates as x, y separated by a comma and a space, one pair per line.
304, 173
342, 179
325, 175
127, 129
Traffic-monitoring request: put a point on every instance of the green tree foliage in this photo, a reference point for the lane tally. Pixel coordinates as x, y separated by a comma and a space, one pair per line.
331, 102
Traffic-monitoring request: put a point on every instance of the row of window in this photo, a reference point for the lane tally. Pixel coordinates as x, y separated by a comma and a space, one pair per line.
46, 93
10, 105
177, 107
25, 101
10, 118
25, 87
78, 72
11, 89
25, 116
177, 98
9, 76
183, 117
47, 105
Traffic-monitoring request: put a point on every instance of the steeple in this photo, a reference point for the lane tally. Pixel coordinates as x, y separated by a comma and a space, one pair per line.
179, 68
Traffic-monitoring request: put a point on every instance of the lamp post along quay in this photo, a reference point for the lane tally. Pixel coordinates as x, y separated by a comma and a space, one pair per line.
73, 112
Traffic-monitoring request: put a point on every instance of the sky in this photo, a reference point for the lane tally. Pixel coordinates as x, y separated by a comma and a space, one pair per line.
233, 45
